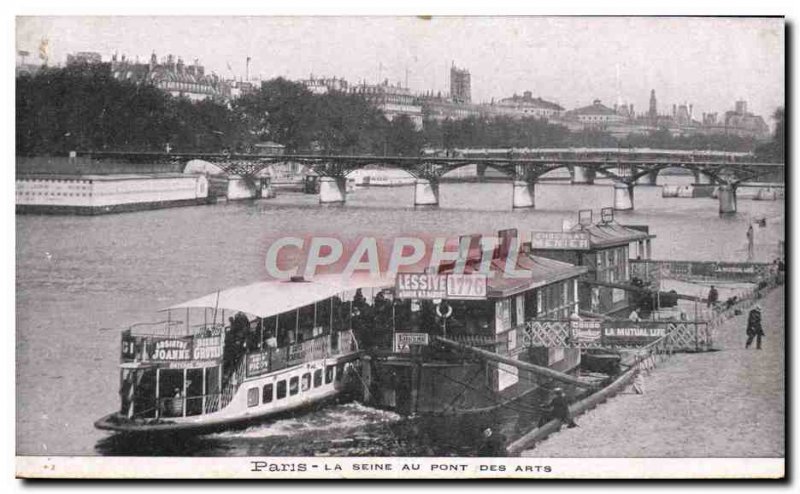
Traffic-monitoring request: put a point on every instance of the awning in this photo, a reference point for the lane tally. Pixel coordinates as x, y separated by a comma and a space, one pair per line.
612, 234
270, 298
531, 272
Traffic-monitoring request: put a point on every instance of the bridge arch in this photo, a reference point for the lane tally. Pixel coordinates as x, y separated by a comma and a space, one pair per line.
701, 174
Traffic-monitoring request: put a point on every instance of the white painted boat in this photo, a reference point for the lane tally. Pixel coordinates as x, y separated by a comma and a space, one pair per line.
286, 346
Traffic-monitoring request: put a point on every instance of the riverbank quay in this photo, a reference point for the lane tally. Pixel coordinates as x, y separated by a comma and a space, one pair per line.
728, 403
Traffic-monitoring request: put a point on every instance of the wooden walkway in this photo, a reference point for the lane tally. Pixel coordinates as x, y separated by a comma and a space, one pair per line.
728, 403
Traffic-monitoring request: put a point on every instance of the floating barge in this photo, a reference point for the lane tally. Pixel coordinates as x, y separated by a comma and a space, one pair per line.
102, 194
462, 350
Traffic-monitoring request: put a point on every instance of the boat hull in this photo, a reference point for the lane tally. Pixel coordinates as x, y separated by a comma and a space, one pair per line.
412, 386
304, 386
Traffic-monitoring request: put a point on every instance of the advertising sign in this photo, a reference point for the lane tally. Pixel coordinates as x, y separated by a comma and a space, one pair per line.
403, 341
630, 332
169, 350
440, 286
204, 349
560, 240
207, 348
466, 286
257, 364
588, 331
128, 347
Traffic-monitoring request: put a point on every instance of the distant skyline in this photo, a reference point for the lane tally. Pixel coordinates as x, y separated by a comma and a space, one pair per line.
707, 62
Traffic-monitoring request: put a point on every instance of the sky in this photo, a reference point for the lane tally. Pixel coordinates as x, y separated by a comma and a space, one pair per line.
707, 62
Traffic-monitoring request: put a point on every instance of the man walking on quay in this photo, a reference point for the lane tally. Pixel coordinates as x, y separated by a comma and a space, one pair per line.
558, 408
754, 329
713, 296
750, 243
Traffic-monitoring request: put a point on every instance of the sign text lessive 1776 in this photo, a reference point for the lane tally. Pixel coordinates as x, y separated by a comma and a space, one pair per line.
440, 286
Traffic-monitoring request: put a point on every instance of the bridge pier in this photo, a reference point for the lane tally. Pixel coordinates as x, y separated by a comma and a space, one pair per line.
332, 190
426, 192
650, 179
703, 187
523, 194
480, 171
701, 179
623, 196
727, 199
582, 175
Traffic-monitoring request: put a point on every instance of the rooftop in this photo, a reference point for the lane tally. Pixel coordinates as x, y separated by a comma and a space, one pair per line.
596, 108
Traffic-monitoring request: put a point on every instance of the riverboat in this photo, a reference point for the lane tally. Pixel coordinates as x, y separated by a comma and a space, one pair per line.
285, 345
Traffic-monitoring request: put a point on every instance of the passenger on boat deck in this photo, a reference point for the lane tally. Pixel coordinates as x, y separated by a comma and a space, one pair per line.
272, 342
575, 317
634, 315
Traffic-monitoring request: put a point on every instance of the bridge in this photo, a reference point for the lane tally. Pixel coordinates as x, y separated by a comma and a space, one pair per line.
625, 167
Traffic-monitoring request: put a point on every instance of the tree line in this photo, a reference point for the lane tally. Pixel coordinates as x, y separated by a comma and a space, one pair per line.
85, 108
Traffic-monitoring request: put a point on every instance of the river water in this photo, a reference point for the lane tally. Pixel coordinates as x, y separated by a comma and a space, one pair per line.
79, 280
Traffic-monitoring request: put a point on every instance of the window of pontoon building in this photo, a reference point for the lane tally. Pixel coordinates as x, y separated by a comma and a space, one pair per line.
470, 317
318, 378
252, 397
294, 386
612, 264
558, 300
329, 371
266, 394
280, 391
305, 384
530, 304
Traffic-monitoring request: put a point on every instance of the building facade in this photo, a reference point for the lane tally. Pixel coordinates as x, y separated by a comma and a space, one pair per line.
527, 106
325, 85
392, 101
173, 76
595, 115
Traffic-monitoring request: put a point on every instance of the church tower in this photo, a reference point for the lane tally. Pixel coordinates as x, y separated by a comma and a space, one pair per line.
653, 112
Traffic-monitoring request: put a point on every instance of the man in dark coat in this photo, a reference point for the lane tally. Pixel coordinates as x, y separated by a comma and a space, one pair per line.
754, 329
558, 408
493, 444
713, 296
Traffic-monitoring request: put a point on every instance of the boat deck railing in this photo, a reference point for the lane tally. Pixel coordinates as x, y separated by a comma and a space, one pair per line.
273, 359
171, 329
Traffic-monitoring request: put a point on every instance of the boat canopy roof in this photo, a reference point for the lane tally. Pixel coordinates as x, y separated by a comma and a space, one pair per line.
270, 298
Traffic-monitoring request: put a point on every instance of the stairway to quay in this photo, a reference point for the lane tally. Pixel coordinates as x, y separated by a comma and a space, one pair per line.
725, 403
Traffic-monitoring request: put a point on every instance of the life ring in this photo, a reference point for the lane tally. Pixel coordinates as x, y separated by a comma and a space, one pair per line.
447, 313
